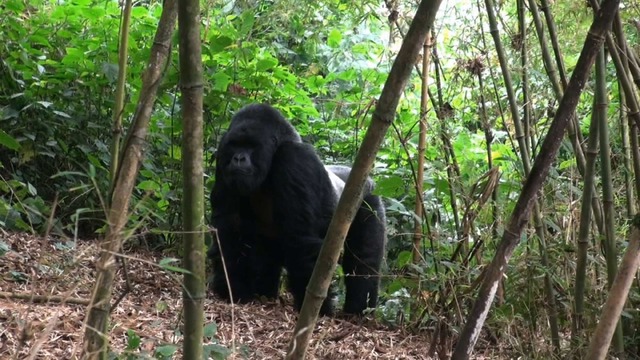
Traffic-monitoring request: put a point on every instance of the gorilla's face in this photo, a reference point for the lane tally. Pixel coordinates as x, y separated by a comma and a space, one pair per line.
245, 157
247, 149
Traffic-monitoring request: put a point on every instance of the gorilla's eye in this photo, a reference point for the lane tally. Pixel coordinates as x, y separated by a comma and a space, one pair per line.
244, 143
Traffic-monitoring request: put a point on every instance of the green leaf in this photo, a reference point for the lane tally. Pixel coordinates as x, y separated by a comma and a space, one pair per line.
390, 186
15, 5
248, 19
139, 12
18, 276
165, 351
9, 112
73, 56
62, 114
219, 43
148, 185
4, 248
133, 340
8, 141
215, 351
166, 264
210, 329
32, 190
39, 40
220, 81
404, 258
266, 64
334, 39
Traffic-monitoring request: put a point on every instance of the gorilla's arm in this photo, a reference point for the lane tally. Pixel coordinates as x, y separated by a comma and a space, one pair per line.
230, 245
303, 202
252, 269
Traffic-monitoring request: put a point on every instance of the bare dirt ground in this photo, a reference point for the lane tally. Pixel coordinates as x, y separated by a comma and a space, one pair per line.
45, 285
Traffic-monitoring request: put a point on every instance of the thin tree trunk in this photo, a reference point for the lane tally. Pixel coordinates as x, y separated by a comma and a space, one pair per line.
453, 176
609, 240
488, 137
534, 181
626, 154
583, 230
529, 133
524, 62
382, 118
418, 233
553, 35
617, 296
522, 137
624, 48
118, 107
558, 88
95, 336
546, 55
193, 197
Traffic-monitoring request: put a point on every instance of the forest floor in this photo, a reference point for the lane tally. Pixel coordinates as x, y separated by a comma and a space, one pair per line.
45, 285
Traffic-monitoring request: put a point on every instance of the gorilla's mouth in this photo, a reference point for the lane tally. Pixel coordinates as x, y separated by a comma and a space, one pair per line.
242, 182
237, 171
240, 171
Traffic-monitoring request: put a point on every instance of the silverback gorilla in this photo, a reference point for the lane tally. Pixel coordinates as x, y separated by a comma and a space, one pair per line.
272, 203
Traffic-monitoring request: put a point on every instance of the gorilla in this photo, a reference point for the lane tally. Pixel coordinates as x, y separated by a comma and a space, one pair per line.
272, 202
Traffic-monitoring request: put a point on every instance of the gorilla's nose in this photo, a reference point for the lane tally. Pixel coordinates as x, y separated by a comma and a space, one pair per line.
240, 159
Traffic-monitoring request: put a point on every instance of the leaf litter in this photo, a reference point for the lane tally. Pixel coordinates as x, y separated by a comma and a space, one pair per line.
45, 286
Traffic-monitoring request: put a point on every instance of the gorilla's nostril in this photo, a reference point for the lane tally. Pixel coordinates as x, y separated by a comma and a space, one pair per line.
240, 158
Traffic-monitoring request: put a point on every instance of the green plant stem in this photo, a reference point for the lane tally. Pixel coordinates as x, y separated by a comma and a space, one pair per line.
191, 86
609, 241
118, 106
382, 118
533, 184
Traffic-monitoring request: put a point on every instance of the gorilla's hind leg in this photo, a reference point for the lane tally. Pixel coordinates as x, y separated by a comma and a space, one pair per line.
364, 250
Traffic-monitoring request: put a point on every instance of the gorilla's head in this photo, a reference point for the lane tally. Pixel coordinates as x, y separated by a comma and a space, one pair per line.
246, 150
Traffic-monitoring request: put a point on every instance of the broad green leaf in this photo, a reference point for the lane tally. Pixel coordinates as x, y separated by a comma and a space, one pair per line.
73, 56
220, 81
266, 64
390, 186
219, 43
165, 351
148, 185
334, 39
216, 351
133, 340
8, 141
210, 329
248, 19
404, 258
4, 248
15, 5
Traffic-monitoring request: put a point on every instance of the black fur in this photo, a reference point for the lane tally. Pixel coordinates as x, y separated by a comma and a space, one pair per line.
272, 203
